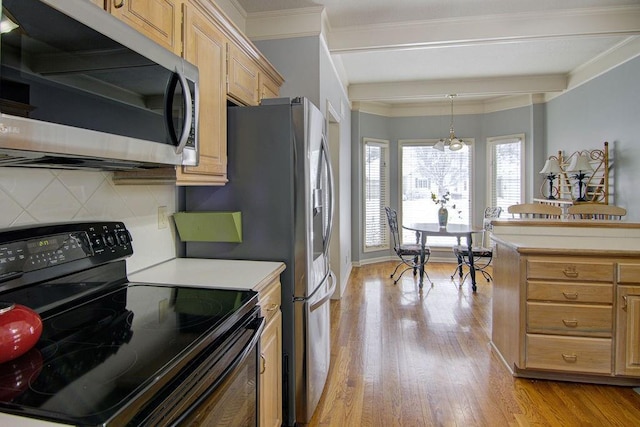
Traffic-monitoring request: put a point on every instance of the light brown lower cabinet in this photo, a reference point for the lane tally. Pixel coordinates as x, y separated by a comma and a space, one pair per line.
628, 331
568, 317
271, 357
271, 373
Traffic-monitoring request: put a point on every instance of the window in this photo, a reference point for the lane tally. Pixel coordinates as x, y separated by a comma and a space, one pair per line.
376, 196
506, 165
425, 170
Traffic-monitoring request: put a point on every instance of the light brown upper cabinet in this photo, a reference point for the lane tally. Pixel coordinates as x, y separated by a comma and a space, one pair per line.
242, 83
269, 88
205, 46
230, 67
160, 20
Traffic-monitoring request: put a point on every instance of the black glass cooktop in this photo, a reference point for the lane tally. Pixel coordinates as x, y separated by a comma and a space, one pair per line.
94, 358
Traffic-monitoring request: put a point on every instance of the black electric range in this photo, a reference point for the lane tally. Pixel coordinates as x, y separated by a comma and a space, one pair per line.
110, 350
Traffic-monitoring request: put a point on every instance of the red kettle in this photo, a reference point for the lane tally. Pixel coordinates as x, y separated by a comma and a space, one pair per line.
20, 329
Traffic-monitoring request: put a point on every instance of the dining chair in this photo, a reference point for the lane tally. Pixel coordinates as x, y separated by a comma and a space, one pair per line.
596, 211
535, 210
482, 253
409, 253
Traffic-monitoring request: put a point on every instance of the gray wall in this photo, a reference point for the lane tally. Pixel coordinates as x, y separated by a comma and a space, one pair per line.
509, 122
477, 126
365, 125
606, 108
298, 61
305, 64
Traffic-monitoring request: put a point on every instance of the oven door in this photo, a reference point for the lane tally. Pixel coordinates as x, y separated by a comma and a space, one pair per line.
220, 388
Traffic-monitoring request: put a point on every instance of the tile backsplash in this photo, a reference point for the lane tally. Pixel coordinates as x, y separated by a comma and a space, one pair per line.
39, 196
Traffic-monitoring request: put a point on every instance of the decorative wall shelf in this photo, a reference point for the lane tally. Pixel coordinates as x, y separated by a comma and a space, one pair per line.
599, 186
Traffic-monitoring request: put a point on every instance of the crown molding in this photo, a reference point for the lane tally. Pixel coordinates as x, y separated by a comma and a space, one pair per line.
289, 23
623, 52
487, 29
234, 11
618, 55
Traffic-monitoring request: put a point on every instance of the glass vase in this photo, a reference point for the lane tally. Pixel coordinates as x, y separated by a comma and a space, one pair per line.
443, 216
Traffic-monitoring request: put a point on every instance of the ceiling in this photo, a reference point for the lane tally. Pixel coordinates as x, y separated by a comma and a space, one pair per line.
406, 52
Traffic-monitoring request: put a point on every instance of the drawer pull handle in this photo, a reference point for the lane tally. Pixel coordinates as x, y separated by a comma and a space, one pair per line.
271, 307
570, 358
570, 272
570, 295
118, 4
570, 323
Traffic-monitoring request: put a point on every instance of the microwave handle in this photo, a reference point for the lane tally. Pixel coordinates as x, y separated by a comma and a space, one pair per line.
184, 135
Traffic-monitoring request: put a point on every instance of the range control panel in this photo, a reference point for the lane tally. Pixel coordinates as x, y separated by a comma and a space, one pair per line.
29, 249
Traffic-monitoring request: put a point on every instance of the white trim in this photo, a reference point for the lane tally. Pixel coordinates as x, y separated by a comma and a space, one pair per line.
420, 91
487, 29
369, 261
285, 24
503, 139
363, 221
342, 78
623, 52
442, 108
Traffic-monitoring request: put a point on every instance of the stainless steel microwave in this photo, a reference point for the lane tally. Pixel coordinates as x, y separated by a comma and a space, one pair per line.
81, 89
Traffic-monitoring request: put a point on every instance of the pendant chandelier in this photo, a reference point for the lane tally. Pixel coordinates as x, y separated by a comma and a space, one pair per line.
451, 141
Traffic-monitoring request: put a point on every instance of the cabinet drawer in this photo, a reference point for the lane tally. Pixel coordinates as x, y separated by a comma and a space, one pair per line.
573, 354
569, 319
570, 292
628, 273
566, 270
270, 302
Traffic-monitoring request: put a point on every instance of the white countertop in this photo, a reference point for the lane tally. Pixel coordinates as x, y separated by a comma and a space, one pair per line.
215, 273
568, 234
230, 274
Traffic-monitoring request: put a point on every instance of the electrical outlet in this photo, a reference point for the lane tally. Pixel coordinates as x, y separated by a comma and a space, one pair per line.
163, 219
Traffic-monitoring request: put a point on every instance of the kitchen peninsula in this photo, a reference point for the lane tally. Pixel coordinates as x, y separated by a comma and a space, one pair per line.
566, 299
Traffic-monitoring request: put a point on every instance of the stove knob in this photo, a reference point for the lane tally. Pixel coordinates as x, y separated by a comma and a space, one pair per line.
123, 237
110, 238
97, 242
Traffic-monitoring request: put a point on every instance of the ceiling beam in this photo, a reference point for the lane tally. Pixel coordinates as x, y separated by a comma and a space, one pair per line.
424, 90
623, 20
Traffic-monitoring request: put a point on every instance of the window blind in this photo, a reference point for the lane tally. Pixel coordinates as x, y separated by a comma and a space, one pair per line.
376, 195
505, 177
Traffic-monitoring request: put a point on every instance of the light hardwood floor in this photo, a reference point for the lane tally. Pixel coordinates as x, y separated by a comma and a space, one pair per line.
401, 357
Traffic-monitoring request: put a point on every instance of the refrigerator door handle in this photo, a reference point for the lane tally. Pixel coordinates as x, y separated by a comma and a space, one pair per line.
325, 148
327, 296
327, 276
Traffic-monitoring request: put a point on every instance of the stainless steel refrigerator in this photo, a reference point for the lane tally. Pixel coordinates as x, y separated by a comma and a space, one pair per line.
280, 179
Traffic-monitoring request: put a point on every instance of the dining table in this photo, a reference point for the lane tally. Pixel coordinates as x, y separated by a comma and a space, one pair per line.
424, 230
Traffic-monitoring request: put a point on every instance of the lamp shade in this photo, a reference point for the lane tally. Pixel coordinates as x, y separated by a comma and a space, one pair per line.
439, 145
580, 163
551, 166
456, 144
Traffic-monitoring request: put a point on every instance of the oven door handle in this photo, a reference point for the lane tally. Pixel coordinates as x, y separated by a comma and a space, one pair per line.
258, 326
